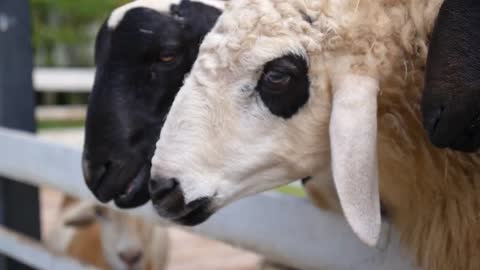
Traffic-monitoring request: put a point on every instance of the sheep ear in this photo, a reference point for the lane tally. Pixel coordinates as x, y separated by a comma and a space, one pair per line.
353, 138
80, 215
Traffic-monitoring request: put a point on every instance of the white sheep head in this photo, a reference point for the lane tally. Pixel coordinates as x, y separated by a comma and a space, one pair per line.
273, 97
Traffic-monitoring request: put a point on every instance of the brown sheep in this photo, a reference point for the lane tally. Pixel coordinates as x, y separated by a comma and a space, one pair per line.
108, 239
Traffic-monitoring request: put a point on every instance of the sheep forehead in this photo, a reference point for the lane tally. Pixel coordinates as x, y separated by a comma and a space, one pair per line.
251, 33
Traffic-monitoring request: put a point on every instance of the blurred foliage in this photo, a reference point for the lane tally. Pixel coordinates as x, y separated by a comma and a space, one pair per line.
292, 190
58, 124
63, 35
67, 22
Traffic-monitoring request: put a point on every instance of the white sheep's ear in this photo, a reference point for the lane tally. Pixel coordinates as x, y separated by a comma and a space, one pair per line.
80, 215
353, 138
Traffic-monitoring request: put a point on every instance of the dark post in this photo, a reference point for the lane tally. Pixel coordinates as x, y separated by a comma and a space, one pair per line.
19, 208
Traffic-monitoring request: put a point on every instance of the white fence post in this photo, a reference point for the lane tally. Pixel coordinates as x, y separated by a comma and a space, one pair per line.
16, 111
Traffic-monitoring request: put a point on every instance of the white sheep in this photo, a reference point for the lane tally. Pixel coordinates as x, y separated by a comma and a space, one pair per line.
108, 239
287, 89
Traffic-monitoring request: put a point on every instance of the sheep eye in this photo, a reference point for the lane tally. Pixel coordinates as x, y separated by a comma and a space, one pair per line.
167, 58
279, 78
284, 85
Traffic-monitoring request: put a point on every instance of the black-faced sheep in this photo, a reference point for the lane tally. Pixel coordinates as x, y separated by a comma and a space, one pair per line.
450, 102
142, 54
291, 89
108, 239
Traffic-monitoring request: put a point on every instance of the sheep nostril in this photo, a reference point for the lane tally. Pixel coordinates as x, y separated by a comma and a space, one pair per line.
167, 197
436, 117
130, 257
160, 187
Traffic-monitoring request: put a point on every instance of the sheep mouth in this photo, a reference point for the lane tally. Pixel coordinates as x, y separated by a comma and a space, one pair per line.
194, 217
192, 214
136, 191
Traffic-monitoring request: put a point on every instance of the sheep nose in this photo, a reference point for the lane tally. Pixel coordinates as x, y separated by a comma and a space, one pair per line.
92, 172
167, 196
162, 186
86, 169
130, 257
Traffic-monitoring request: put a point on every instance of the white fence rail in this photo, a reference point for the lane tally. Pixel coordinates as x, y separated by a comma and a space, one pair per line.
75, 80
67, 80
34, 254
285, 229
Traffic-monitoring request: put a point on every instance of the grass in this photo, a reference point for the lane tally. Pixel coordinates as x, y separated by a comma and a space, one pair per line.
292, 190
58, 124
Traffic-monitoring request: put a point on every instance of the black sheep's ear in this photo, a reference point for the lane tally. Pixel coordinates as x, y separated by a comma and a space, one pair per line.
197, 18
176, 13
174, 9
102, 43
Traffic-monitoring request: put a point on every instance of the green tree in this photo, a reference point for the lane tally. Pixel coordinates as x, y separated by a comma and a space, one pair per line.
67, 23
68, 27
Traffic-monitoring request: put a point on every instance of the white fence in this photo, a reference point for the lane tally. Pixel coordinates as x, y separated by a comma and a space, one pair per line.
285, 229
67, 80
63, 79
